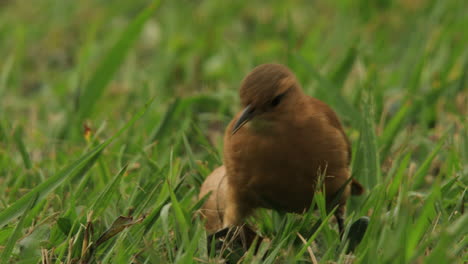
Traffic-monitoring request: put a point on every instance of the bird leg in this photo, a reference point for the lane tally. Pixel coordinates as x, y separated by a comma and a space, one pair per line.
232, 215
236, 209
234, 239
339, 216
357, 232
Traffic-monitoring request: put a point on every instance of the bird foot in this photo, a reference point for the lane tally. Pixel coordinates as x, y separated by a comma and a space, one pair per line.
356, 233
234, 241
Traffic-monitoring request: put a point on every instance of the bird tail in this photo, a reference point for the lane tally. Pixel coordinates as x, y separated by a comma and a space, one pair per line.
356, 187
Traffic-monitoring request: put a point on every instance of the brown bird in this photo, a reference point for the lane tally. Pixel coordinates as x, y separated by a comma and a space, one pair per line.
276, 150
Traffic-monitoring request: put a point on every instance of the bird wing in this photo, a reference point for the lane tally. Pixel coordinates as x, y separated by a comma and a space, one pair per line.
335, 122
356, 187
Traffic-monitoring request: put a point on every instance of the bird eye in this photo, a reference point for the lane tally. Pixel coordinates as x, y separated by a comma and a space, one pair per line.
277, 100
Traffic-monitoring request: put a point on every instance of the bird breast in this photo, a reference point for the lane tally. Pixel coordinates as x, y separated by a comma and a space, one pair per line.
284, 162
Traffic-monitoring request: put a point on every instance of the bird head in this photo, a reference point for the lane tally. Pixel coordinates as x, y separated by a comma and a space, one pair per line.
267, 93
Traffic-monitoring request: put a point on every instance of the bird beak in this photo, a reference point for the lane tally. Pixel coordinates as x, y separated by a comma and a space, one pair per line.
246, 116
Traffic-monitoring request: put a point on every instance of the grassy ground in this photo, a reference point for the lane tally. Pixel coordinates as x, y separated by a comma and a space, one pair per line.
112, 114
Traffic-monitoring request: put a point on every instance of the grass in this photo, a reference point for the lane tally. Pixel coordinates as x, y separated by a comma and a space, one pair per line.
93, 170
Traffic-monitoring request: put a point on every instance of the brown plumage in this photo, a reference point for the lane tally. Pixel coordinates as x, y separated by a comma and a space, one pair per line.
277, 148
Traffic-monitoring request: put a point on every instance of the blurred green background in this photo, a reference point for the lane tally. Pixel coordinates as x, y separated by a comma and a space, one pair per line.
72, 73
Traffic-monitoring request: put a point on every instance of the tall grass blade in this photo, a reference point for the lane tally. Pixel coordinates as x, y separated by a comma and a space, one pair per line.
18, 136
111, 62
391, 130
334, 97
53, 182
425, 166
366, 166
163, 126
103, 200
17, 231
342, 72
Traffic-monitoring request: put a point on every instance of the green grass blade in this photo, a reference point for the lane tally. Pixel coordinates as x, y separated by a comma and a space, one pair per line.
154, 215
342, 72
313, 237
17, 231
392, 129
190, 249
168, 117
3, 134
396, 181
366, 167
6, 72
53, 182
179, 216
444, 247
111, 62
425, 166
329, 90
420, 226
47, 186
274, 252
18, 136
103, 200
